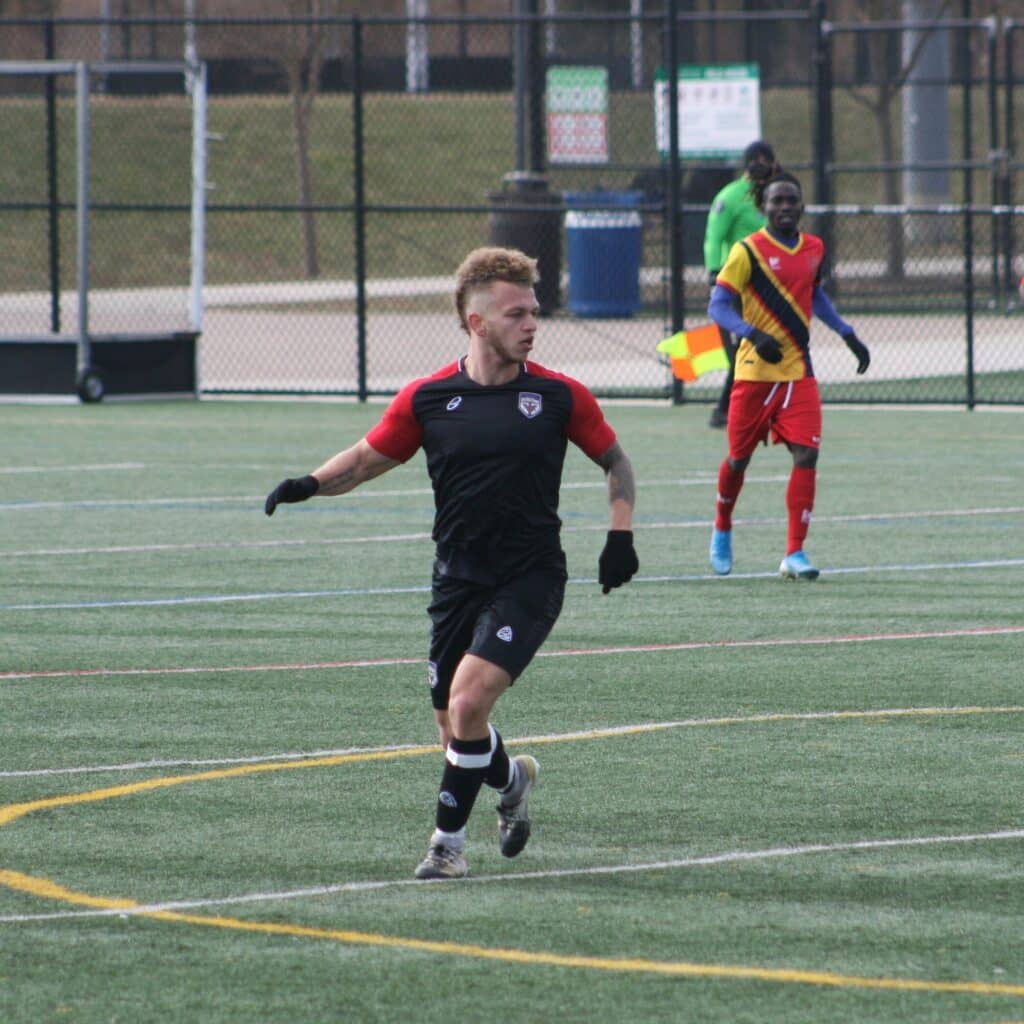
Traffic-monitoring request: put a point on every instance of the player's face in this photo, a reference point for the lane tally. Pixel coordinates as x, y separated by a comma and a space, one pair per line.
783, 206
510, 321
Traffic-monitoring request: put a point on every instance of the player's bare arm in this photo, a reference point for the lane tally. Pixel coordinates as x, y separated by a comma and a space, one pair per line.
352, 467
338, 475
621, 485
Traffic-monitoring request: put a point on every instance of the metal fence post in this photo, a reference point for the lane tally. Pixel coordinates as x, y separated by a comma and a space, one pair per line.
82, 199
823, 142
967, 124
676, 297
359, 195
53, 196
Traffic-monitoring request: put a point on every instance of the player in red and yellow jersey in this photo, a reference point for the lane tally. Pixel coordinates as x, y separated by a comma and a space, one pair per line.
776, 273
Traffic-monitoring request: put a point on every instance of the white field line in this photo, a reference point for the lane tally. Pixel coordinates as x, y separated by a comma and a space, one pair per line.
277, 595
728, 857
698, 480
98, 468
701, 524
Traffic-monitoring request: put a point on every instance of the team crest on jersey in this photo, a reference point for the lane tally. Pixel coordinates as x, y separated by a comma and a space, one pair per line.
530, 404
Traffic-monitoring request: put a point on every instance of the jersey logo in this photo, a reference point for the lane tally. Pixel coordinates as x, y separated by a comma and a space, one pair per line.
454, 403
530, 404
505, 633
774, 262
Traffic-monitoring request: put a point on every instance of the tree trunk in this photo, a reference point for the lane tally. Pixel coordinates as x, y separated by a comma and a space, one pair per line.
895, 249
301, 113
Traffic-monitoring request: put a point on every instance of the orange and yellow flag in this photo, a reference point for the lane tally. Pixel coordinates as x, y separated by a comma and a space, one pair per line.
695, 352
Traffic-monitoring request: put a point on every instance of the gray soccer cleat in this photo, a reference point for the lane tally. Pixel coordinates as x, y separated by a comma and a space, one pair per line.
513, 819
443, 862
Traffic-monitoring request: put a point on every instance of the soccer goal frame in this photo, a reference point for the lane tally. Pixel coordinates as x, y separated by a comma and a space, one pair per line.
99, 360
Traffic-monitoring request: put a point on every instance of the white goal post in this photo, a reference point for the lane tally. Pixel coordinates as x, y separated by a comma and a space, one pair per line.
83, 72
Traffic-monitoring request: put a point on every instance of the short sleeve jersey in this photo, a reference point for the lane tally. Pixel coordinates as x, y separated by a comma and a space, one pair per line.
776, 284
495, 457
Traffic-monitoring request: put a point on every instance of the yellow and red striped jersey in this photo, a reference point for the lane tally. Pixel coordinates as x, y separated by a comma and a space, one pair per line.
776, 284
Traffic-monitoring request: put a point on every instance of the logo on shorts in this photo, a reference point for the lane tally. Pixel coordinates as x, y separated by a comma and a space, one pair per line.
454, 403
432, 673
447, 799
505, 633
530, 404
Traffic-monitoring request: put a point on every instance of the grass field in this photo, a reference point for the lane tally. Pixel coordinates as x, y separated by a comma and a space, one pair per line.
759, 801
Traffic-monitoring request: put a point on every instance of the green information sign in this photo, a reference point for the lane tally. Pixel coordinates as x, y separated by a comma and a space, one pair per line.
577, 115
719, 109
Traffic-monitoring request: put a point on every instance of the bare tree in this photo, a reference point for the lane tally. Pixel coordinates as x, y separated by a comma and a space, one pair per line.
304, 52
885, 52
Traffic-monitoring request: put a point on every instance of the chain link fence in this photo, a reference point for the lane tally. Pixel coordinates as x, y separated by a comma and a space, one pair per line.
351, 163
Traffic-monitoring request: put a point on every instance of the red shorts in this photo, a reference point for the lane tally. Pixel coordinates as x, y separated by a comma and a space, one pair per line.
791, 410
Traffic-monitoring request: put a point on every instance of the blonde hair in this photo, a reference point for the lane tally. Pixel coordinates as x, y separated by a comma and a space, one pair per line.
482, 267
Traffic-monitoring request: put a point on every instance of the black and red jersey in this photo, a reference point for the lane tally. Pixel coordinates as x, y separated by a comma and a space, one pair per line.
495, 457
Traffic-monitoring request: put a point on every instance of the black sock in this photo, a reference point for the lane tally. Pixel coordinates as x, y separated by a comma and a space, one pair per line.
499, 774
466, 765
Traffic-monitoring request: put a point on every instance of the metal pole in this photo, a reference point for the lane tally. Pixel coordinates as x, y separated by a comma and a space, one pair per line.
359, 183
519, 76
196, 75
636, 43
997, 159
823, 122
676, 294
82, 211
966, 127
1009, 141
53, 196
536, 60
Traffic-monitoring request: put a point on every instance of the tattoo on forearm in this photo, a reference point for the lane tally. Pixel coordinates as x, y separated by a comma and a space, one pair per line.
619, 470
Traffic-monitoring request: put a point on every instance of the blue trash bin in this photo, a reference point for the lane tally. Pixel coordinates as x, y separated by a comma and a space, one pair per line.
603, 248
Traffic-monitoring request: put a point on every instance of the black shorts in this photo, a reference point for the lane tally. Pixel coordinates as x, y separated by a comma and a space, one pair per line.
503, 624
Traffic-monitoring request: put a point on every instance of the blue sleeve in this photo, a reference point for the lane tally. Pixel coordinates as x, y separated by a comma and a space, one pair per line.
826, 312
723, 312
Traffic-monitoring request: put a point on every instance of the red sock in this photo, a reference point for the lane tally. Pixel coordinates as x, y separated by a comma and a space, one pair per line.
799, 502
730, 483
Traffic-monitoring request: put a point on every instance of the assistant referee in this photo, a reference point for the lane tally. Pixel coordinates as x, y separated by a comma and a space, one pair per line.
495, 428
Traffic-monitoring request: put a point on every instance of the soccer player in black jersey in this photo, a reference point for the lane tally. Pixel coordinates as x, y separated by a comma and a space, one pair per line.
494, 427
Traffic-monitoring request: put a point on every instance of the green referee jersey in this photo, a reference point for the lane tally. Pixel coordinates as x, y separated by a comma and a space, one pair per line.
732, 216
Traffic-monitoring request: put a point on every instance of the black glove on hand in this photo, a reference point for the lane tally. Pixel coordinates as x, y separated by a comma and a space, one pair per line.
766, 346
618, 561
290, 491
859, 349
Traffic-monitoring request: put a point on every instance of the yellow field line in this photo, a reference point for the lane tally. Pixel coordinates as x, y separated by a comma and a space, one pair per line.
51, 890
628, 965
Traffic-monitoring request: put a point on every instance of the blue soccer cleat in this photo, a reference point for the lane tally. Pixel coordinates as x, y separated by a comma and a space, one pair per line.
797, 566
721, 551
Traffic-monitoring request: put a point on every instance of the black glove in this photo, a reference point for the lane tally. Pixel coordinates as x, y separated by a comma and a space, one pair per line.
618, 561
712, 278
290, 491
766, 346
859, 349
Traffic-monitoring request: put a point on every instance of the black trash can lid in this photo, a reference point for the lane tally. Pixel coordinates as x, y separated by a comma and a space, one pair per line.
525, 181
